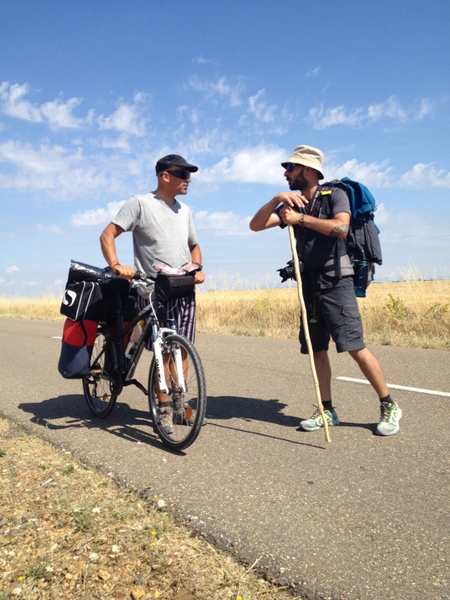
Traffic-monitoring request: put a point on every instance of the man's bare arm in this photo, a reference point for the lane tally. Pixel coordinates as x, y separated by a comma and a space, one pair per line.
196, 256
337, 227
108, 245
266, 218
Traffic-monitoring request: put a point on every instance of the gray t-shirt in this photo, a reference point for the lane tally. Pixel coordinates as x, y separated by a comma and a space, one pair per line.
161, 232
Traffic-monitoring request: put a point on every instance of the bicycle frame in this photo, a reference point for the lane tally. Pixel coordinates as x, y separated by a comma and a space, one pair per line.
176, 391
157, 333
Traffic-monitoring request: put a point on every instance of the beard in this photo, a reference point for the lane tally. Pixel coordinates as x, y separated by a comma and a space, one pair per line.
299, 183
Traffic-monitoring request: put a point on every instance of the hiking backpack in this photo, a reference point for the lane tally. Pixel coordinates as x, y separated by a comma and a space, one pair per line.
362, 241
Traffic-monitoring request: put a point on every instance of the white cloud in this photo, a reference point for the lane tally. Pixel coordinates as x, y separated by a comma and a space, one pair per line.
126, 118
372, 175
208, 142
381, 175
66, 172
201, 60
425, 108
96, 216
12, 269
313, 73
44, 159
57, 113
257, 164
322, 118
222, 223
381, 214
391, 108
219, 88
14, 105
122, 142
423, 175
60, 115
260, 109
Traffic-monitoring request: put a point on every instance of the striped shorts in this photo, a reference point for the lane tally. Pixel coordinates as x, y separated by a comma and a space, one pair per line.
182, 311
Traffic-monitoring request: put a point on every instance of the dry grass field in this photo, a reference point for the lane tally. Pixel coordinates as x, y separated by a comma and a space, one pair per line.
409, 313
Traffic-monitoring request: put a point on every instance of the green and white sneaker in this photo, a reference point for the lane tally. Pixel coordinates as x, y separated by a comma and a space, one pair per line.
315, 422
390, 415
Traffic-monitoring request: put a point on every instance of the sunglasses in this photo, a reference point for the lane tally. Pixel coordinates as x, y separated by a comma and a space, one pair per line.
289, 167
180, 173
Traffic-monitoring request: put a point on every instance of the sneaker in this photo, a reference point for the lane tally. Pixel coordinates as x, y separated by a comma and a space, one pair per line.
315, 422
182, 411
166, 417
390, 415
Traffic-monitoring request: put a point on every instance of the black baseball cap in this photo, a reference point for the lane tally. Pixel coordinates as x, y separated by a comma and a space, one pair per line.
173, 160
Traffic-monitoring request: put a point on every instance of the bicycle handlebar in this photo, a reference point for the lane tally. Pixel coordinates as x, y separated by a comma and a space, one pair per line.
187, 269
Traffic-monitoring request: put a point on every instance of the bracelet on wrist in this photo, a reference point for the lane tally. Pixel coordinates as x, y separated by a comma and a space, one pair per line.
302, 219
116, 264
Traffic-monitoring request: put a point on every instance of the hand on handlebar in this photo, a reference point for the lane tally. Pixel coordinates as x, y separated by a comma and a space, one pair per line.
131, 274
124, 271
199, 277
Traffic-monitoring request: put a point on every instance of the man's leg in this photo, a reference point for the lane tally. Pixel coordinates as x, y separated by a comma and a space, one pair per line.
371, 368
323, 372
164, 405
390, 411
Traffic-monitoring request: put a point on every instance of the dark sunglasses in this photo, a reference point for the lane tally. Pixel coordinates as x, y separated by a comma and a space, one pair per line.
291, 166
180, 173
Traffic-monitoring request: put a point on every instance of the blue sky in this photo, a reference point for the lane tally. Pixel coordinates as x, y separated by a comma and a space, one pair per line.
93, 92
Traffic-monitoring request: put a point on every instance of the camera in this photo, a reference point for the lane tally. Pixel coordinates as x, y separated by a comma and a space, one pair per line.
288, 272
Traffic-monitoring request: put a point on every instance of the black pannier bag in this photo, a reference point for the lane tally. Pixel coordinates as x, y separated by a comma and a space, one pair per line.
89, 298
89, 293
170, 287
83, 300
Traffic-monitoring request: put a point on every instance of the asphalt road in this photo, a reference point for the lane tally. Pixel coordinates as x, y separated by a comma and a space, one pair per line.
362, 517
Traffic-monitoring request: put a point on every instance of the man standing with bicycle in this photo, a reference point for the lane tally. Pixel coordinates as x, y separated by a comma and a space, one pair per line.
163, 231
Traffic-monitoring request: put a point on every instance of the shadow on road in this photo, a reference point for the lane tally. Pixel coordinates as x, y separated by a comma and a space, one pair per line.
70, 412
254, 409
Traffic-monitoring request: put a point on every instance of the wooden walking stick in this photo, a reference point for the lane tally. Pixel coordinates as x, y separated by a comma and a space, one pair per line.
304, 318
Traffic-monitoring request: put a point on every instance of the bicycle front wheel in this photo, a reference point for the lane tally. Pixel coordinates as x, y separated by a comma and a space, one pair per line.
186, 408
100, 387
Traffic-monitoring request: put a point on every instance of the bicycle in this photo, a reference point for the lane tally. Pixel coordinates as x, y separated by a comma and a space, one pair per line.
176, 369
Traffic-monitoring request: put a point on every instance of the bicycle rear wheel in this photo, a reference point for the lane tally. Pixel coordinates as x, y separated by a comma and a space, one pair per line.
187, 422
99, 385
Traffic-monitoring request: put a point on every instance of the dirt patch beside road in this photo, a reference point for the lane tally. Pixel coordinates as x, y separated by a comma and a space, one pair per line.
69, 531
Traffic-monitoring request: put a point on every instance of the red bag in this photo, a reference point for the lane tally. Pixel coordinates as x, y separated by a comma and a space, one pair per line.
76, 350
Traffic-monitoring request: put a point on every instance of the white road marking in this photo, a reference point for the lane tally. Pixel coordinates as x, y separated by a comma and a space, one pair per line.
399, 387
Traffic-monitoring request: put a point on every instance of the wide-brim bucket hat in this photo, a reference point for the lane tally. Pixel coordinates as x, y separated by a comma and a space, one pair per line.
307, 156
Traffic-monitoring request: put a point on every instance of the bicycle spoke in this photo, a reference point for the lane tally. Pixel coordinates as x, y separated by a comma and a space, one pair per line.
99, 388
